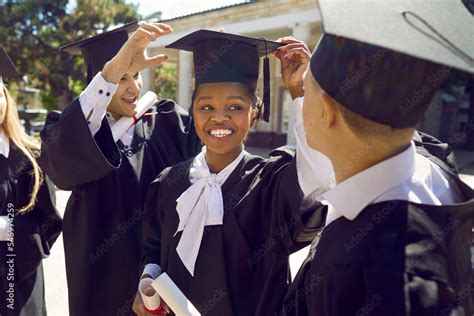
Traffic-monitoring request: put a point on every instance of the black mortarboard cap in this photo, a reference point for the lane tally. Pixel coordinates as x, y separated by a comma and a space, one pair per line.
385, 60
225, 57
7, 68
99, 49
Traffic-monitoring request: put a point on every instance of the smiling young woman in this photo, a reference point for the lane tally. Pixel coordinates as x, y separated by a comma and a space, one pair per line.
226, 221
223, 114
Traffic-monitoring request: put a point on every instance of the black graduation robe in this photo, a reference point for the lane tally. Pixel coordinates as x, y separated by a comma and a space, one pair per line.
21, 269
242, 267
102, 221
395, 258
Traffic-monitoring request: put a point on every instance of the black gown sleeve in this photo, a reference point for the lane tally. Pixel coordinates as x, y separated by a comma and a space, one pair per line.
70, 156
175, 123
392, 291
152, 222
36, 231
284, 223
51, 221
440, 153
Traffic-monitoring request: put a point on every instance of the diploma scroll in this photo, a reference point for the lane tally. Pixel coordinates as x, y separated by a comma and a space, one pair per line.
173, 296
150, 297
124, 123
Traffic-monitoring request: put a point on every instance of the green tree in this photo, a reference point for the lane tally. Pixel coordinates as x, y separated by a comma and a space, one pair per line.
166, 81
33, 31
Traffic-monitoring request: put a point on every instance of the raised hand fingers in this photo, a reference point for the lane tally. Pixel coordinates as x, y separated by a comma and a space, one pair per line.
155, 60
289, 40
300, 51
143, 33
291, 43
289, 47
149, 32
159, 29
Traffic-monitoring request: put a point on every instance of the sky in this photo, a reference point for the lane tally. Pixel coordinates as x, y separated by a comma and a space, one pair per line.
174, 8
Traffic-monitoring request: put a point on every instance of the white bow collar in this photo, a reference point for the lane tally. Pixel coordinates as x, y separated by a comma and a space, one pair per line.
200, 205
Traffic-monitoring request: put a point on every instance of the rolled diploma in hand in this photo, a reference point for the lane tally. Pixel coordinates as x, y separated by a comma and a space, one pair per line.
124, 123
152, 301
173, 296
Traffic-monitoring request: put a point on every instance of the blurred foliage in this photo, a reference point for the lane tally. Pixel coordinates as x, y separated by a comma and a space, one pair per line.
33, 31
157, 16
166, 81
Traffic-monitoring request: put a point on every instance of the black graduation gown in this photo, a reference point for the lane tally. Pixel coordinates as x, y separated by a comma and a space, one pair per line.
242, 267
34, 234
395, 258
102, 221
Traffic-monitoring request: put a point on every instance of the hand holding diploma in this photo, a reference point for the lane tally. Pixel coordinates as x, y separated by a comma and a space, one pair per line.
152, 294
147, 301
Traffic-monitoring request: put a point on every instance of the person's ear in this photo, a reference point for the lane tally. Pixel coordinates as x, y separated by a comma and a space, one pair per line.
329, 111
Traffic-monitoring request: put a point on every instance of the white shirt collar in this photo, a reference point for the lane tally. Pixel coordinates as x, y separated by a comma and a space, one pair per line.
4, 143
351, 196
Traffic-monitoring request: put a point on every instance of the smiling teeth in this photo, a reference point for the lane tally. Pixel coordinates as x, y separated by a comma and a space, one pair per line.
221, 132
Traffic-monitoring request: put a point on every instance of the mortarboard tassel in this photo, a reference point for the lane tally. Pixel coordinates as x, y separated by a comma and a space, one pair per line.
266, 86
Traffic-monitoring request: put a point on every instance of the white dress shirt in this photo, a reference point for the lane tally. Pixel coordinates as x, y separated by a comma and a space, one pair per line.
94, 101
315, 171
5, 151
4, 143
407, 176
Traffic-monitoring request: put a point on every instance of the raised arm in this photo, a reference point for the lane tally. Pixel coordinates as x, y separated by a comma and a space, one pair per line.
77, 144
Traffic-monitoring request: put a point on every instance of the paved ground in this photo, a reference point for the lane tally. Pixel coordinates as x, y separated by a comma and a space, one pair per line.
56, 289
55, 270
